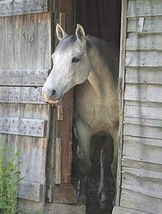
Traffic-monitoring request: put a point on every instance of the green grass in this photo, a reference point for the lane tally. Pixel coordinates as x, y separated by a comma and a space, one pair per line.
8, 178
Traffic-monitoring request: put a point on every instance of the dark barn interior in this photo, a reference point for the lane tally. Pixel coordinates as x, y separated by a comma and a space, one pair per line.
99, 18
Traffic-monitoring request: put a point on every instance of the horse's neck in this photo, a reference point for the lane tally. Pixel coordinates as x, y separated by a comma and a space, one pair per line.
100, 77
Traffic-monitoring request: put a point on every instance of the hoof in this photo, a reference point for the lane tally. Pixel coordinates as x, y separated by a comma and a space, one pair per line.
82, 199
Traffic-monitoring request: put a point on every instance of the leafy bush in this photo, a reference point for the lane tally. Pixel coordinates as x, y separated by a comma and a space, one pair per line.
8, 178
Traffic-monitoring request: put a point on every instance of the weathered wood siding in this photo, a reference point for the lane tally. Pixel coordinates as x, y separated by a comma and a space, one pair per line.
21, 7
25, 60
141, 70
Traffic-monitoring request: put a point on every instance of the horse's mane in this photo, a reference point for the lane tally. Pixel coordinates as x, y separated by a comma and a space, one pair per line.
106, 50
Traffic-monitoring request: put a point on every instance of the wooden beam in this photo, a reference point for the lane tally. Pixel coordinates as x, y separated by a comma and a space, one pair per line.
30, 191
23, 77
21, 95
21, 126
20, 7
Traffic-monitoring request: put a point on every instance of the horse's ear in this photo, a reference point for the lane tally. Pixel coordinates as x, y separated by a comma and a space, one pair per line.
61, 34
80, 34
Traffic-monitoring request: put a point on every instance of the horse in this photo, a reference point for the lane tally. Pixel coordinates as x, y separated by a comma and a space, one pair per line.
91, 65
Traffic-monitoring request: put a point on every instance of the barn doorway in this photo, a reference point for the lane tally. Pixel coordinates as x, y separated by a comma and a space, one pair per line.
100, 19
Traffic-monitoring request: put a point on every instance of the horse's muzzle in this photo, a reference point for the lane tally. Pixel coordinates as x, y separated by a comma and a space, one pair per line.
53, 98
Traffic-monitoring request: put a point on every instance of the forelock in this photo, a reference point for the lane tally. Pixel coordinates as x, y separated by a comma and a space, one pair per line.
65, 43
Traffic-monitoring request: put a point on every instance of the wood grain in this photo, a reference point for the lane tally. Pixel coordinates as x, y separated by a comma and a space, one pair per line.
139, 201
144, 8
151, 25
19, 7
30, 191
145, 42
144, 58
21, 95
23, 77
149, 93
142, 149
21, 126
144, 75
25, 59
25, 42
143, 131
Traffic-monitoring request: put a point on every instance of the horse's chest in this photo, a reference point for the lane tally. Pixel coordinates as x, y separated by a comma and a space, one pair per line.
97, 114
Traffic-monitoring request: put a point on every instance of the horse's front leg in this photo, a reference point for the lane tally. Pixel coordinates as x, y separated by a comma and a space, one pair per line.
106, 188
83, 135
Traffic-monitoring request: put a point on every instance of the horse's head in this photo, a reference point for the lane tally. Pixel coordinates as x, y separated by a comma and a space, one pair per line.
71, 65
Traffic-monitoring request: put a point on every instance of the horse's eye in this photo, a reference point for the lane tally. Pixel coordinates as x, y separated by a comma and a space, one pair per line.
75, 59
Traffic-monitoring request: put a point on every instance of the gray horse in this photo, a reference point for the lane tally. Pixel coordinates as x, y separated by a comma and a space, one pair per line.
92, 65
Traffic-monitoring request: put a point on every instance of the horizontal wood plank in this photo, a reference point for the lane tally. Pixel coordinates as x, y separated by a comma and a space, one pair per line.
143, 110
144, 58
142, 149
138, 201
143, 121
20, 7
151, 25
21, 126
30, 191
143, 75
21, 95
144, 42
141, 174
123, 210
14, 110
142, 131
23, 77
129, 162
150, 93
142, 186
144, 8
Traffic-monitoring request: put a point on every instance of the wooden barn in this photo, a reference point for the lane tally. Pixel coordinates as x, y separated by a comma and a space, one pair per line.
139, 188
42, 133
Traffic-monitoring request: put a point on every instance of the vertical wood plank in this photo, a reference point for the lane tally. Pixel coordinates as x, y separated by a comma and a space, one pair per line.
65, 193
121, 95
65, 126
58, 161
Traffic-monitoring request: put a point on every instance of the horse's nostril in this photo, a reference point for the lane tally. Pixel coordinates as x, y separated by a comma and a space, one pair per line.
53, 92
